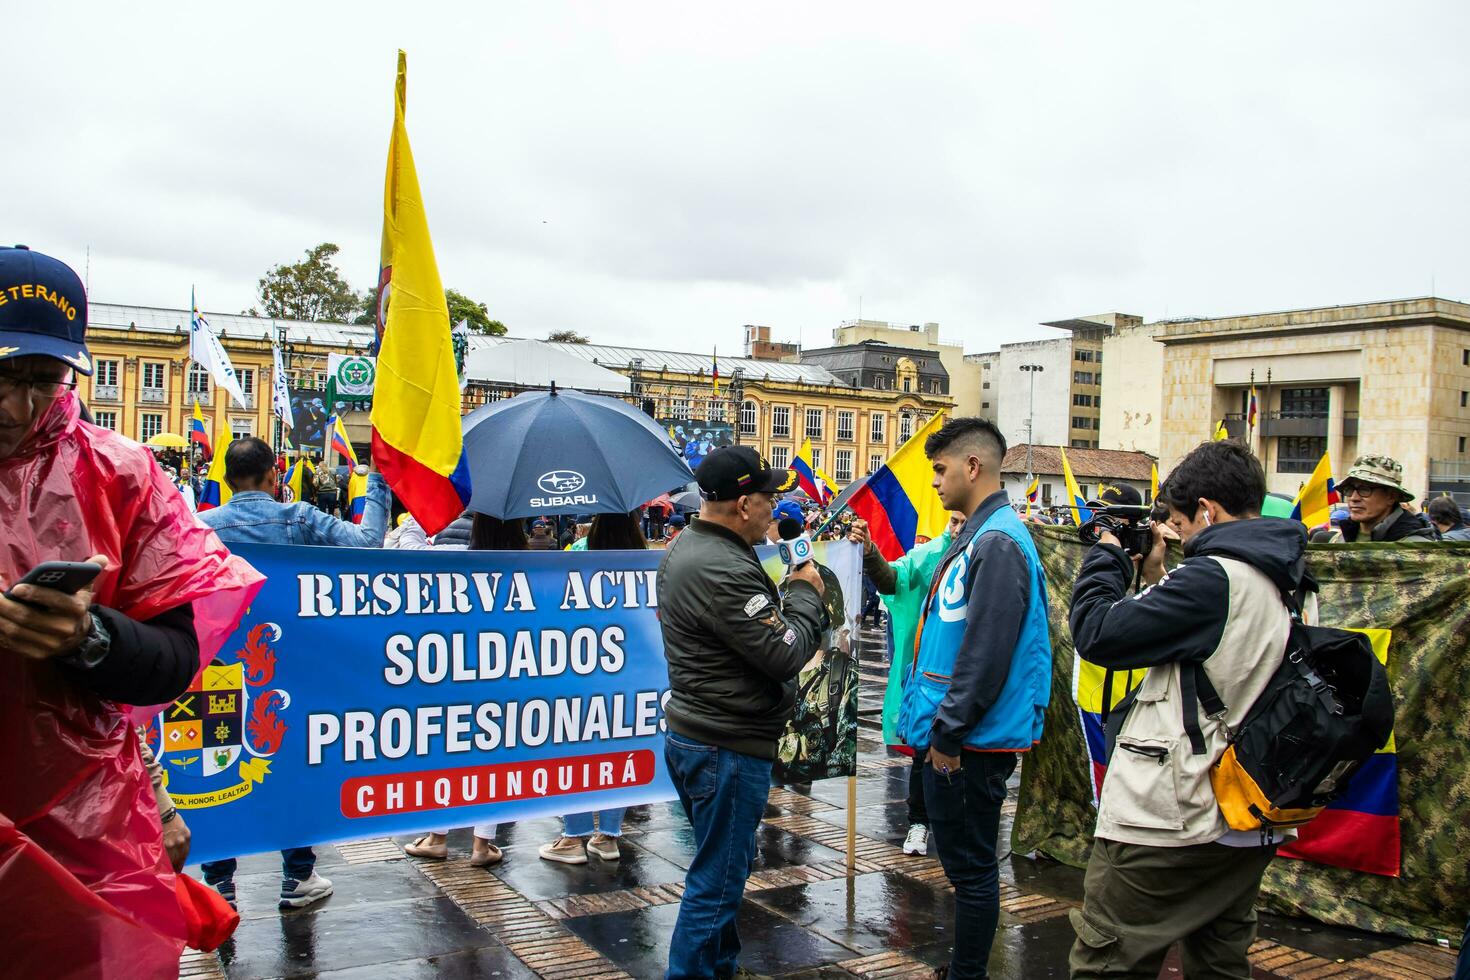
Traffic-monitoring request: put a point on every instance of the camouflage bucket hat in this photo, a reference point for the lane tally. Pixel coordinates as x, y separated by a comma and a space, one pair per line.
1382, 471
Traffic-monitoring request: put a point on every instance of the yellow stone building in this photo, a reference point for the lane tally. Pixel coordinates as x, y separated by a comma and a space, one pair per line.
145, 384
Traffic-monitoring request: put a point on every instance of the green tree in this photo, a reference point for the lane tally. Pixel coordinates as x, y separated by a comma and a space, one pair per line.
461, 307
566, 337
312, 289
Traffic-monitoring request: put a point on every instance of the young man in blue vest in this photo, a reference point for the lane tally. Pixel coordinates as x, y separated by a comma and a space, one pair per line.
981, 678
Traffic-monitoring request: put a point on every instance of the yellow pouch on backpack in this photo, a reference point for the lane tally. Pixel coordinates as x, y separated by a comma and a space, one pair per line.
1244, 805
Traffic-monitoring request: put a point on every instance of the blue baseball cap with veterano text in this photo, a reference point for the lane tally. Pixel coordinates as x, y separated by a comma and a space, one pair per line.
43, 309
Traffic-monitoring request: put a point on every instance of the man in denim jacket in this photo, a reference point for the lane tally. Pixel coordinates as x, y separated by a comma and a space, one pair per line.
253, 516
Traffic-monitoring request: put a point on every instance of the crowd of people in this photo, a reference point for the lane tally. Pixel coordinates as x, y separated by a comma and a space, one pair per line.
967, 616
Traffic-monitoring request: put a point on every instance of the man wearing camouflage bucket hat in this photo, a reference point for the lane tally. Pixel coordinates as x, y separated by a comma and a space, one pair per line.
1375, 496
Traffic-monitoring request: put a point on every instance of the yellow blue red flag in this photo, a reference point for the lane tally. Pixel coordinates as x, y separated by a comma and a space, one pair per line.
1080, 514
341, 443
808, 477
1313, 505
899, 502
417, 443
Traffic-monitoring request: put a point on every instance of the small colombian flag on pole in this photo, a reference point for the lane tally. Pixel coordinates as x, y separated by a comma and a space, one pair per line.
341, 443
198, 433
417, 442
1032, 492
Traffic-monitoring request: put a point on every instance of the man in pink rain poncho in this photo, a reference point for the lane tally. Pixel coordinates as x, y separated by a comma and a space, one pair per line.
85, 886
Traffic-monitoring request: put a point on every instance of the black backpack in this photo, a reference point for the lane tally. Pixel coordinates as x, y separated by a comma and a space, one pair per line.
1324, 713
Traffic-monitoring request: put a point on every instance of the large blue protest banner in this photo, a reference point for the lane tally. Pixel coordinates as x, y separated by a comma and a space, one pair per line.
372, 692
376, 692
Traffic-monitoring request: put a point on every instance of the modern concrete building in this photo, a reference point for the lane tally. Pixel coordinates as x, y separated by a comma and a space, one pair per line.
1389, 377
964, 376
989, 363
1067, 377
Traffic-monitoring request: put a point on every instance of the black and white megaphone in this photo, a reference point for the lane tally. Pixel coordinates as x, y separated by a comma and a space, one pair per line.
795, 546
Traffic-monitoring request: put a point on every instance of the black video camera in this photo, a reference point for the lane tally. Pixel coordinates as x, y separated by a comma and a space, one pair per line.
1131, 524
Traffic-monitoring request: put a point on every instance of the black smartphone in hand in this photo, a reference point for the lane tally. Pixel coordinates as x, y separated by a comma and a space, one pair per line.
63, 576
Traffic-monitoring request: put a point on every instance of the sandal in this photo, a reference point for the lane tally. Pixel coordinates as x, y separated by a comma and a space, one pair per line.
422, 848
491, 855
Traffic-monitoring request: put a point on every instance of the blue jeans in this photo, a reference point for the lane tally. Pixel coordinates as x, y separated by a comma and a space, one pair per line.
964, 820
297, 863
724, 793
609, 822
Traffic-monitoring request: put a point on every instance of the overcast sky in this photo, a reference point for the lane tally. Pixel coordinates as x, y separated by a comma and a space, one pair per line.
659, 174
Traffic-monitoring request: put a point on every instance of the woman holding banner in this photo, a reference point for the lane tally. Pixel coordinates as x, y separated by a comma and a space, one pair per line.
486, 534
610, 532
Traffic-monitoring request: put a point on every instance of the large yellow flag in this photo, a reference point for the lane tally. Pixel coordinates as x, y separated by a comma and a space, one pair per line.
1080, 514
1313, 505
416, 398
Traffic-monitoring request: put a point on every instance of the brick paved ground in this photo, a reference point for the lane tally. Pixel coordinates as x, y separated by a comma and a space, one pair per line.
804, 916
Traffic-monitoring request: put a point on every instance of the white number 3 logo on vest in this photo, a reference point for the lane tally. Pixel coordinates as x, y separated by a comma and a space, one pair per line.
952, 605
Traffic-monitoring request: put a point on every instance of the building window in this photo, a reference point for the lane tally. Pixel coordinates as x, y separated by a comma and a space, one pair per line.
1081, 422
986, 385
1082, 377
1464, 398
717, 410
845, 422
781, 420
747, 418
247, 382
875, 460
1046, 494
1462, 443
1299, 454
198, 380
1465, 358
105, 374
842, 466
817, 456
108, 420
1304, 403
240, 428
877, 427
1079, 444
985, 404
779, 457
814, 423
908, 384
1084, 356
905, 428
681, 408
150, 424
153, 375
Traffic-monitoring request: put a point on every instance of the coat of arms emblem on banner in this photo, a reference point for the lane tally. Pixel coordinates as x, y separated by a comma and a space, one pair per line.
216, 739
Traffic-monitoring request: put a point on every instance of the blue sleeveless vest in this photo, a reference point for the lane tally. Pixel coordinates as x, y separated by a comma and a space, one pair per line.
1014, 722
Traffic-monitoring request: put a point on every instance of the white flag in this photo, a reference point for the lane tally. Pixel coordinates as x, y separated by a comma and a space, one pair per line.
280, 394
206, 351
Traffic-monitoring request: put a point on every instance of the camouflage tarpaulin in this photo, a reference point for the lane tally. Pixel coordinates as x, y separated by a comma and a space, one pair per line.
1419, 591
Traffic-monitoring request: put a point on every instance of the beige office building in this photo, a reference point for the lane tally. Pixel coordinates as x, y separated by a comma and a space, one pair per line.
1390, 377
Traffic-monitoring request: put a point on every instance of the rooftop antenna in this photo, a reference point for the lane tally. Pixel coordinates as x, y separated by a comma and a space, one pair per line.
87, 284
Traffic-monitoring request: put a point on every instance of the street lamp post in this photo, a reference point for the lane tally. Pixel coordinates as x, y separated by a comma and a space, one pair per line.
1032, 370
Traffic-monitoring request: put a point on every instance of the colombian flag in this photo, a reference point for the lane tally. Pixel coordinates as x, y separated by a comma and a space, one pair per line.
899, 502
299, 473
416, 423
215, 492
1361, 830
1313, 505
808, 477
341, 443
198, 434
1088, 694
356, 496
1075, 500
1032, 492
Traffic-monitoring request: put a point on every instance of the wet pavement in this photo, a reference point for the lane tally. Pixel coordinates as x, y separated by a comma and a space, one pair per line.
397, 918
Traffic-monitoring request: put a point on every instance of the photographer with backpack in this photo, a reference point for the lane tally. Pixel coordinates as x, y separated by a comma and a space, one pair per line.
1166, 866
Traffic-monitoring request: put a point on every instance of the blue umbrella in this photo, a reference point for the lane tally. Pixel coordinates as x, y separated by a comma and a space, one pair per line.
564, 452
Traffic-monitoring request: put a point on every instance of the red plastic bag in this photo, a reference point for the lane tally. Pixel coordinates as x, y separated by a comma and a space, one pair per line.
83, 874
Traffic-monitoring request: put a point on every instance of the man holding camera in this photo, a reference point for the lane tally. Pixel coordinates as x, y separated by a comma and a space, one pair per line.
981, 677
1165, 866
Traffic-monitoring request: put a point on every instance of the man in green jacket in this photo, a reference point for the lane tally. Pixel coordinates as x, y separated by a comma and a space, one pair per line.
905, 583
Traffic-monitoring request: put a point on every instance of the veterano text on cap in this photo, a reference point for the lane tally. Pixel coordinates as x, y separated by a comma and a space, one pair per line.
733, 471
43, 309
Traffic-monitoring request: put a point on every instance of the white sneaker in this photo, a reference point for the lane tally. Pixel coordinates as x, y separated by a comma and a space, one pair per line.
917, 842
299, 894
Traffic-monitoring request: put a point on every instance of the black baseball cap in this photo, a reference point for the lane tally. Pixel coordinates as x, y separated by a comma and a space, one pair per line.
733, 471
43, 309
1117, 495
